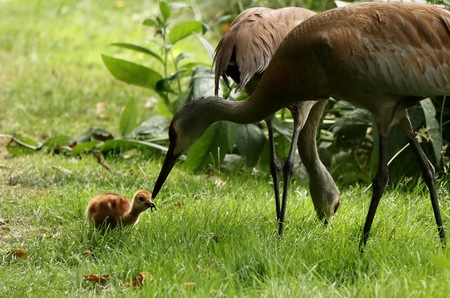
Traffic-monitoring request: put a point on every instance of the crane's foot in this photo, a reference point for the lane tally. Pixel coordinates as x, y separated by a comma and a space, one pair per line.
280, 230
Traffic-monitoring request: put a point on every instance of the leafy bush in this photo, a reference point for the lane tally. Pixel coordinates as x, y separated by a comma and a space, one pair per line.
168, 83
346, 134
220, 139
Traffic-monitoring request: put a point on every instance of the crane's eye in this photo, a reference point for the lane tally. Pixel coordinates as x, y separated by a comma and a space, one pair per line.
141, 199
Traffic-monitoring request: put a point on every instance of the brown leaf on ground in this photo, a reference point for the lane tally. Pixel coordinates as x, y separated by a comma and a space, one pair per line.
103, 116
18, 254
88, 252
95, 277
139, 280
101, 106
176, 204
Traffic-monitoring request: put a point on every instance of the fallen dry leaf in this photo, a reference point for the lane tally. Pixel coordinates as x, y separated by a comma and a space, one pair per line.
174, 205
101, 106
18, 254
103, 116
139, 280
87, 252
219, 183
95, 277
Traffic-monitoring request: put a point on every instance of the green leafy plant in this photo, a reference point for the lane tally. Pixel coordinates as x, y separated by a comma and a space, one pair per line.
167, 76
131, 136
345, 132
170, 82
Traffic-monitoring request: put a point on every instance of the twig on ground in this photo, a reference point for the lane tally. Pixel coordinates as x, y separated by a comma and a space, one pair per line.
98, 158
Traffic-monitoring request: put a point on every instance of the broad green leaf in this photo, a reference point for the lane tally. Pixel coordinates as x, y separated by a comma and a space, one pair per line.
22, 145
84, 147
177, 5
121, 145
96, 134
434, 130
202, 82
250, 143
128, 119
209, 49
181, 57
440, 261
183, 30
163, 109
210, 148
165, 10
193, 65
150, 22
180, 101
155, 127
132, 73
232, 133
138, 48
57, 141
179, 73
164, 86
58, 145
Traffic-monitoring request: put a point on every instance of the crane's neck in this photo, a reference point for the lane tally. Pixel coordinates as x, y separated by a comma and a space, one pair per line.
255, 108
262, 103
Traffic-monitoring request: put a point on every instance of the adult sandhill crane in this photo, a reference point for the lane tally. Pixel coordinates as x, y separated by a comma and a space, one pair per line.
243, 54
384, 56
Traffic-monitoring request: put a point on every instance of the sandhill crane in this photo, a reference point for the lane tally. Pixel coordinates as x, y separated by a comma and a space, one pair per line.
243, 54
112, 209
384, 56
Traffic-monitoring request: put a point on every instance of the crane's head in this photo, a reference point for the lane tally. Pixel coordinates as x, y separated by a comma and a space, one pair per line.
187, 126
325, 195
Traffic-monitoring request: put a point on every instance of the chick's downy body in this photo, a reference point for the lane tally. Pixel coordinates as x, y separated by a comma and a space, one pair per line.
113, 209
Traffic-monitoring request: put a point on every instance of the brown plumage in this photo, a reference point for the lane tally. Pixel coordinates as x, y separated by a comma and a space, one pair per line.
243, 53
246, 48
112, 209
385, 57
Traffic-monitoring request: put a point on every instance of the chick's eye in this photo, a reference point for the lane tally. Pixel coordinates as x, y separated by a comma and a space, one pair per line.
141, 199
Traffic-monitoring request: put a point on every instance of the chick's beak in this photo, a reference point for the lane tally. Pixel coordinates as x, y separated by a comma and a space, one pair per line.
168, 164
150, 205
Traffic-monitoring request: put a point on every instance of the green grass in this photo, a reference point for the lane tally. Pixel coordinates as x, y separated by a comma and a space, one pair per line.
221, 240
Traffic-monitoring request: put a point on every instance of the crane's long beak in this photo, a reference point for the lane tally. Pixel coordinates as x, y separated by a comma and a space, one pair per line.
168, 164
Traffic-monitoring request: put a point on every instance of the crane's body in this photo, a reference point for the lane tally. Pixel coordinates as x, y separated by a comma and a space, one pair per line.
243, 53
382, 56
245, 50
397, 53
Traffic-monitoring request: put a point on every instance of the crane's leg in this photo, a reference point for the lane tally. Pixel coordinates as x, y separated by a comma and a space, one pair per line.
428, 173
300, 113
287, 173
378, 185
275, 167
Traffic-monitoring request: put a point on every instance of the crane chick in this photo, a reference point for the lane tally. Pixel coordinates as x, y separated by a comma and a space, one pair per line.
113, 209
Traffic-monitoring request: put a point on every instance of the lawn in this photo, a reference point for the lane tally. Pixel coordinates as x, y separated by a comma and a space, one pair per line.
213, 234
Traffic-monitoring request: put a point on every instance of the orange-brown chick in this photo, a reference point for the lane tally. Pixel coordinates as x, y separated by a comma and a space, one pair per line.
113, 209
